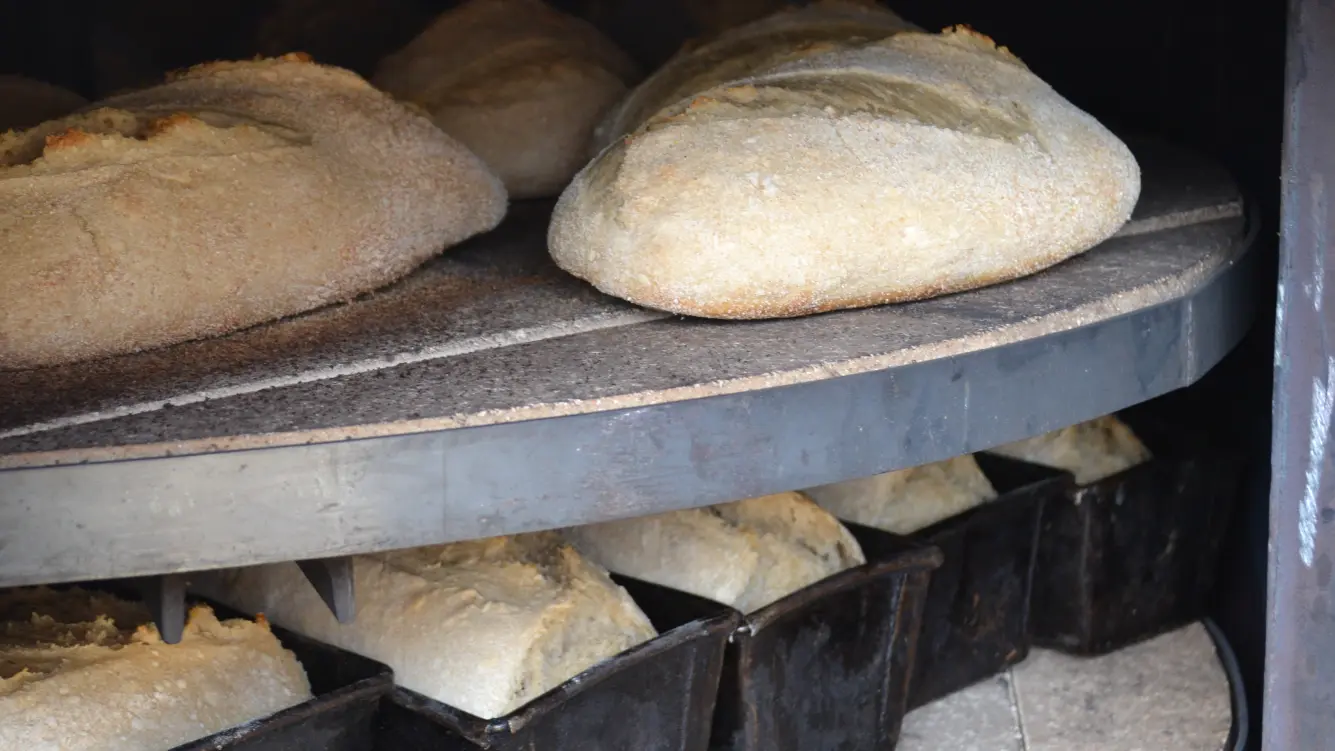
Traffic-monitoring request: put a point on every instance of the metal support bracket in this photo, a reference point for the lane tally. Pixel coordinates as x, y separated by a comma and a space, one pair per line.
332, 579
164, 596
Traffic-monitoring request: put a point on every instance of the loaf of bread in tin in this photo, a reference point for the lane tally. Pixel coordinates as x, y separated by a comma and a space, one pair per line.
236, 193
907, 500
484, 626
516, 81
1091, 450
746, 554
83, 671
833, 157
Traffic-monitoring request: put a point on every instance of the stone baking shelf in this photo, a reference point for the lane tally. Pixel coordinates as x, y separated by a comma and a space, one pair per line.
1178, 691
490, 393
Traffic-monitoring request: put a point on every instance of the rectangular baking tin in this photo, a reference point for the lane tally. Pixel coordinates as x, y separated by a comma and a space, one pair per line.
658, 696
976, 616
347, 689
828, 667
1134, 555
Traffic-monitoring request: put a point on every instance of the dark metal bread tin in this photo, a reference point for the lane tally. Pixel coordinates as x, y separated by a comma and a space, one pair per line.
658, 696
976, 614
1134, 555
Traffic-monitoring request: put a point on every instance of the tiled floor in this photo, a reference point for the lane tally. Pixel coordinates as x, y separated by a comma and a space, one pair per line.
1167, 694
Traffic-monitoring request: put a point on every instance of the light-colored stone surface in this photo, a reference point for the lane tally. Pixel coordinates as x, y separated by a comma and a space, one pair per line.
1167, 694
982, 717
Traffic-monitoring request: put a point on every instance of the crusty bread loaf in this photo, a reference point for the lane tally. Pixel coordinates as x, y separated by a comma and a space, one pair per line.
25, 102
519, 83
746, 554
484, 626
835, 157
1089, 450
235, 194
907, 500
81, 671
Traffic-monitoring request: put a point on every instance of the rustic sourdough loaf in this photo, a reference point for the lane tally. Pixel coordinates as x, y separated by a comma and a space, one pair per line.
835, 157
81, 671
746, 554
484, 626
234, 194
1089, 450
519, 83
908, 500
25, 102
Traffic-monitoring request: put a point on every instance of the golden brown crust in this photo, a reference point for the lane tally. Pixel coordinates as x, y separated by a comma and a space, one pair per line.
236, 193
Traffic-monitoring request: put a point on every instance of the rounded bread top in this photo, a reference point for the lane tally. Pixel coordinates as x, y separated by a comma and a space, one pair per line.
232, 194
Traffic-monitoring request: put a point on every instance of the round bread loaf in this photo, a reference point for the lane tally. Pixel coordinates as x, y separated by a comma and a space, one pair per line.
1090, 450
519, 83
234, 194
907, 500
835, 157
82, 671
25, 102
746, 554
485, 626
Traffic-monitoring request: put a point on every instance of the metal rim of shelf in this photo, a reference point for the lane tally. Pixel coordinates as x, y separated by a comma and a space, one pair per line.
245, 507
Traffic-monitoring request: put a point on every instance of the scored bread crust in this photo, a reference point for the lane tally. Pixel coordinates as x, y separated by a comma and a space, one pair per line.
25, 102
841, 163
86, 672
907, 500
484, 626
233, 194
519, 83
746, 554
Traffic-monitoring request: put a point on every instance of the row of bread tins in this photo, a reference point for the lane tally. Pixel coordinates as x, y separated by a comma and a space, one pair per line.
483, 626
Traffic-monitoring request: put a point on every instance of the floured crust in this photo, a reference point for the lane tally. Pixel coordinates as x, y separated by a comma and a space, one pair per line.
234, 194
907, 500
1091, 450
81, 670
741, 52
485, 626
25, 102
519, 83
835, 157
745, 554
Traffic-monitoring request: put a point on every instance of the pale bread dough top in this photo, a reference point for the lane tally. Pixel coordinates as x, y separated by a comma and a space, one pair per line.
907, 500
746, 554
1091, 450
83, 671
484, 626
